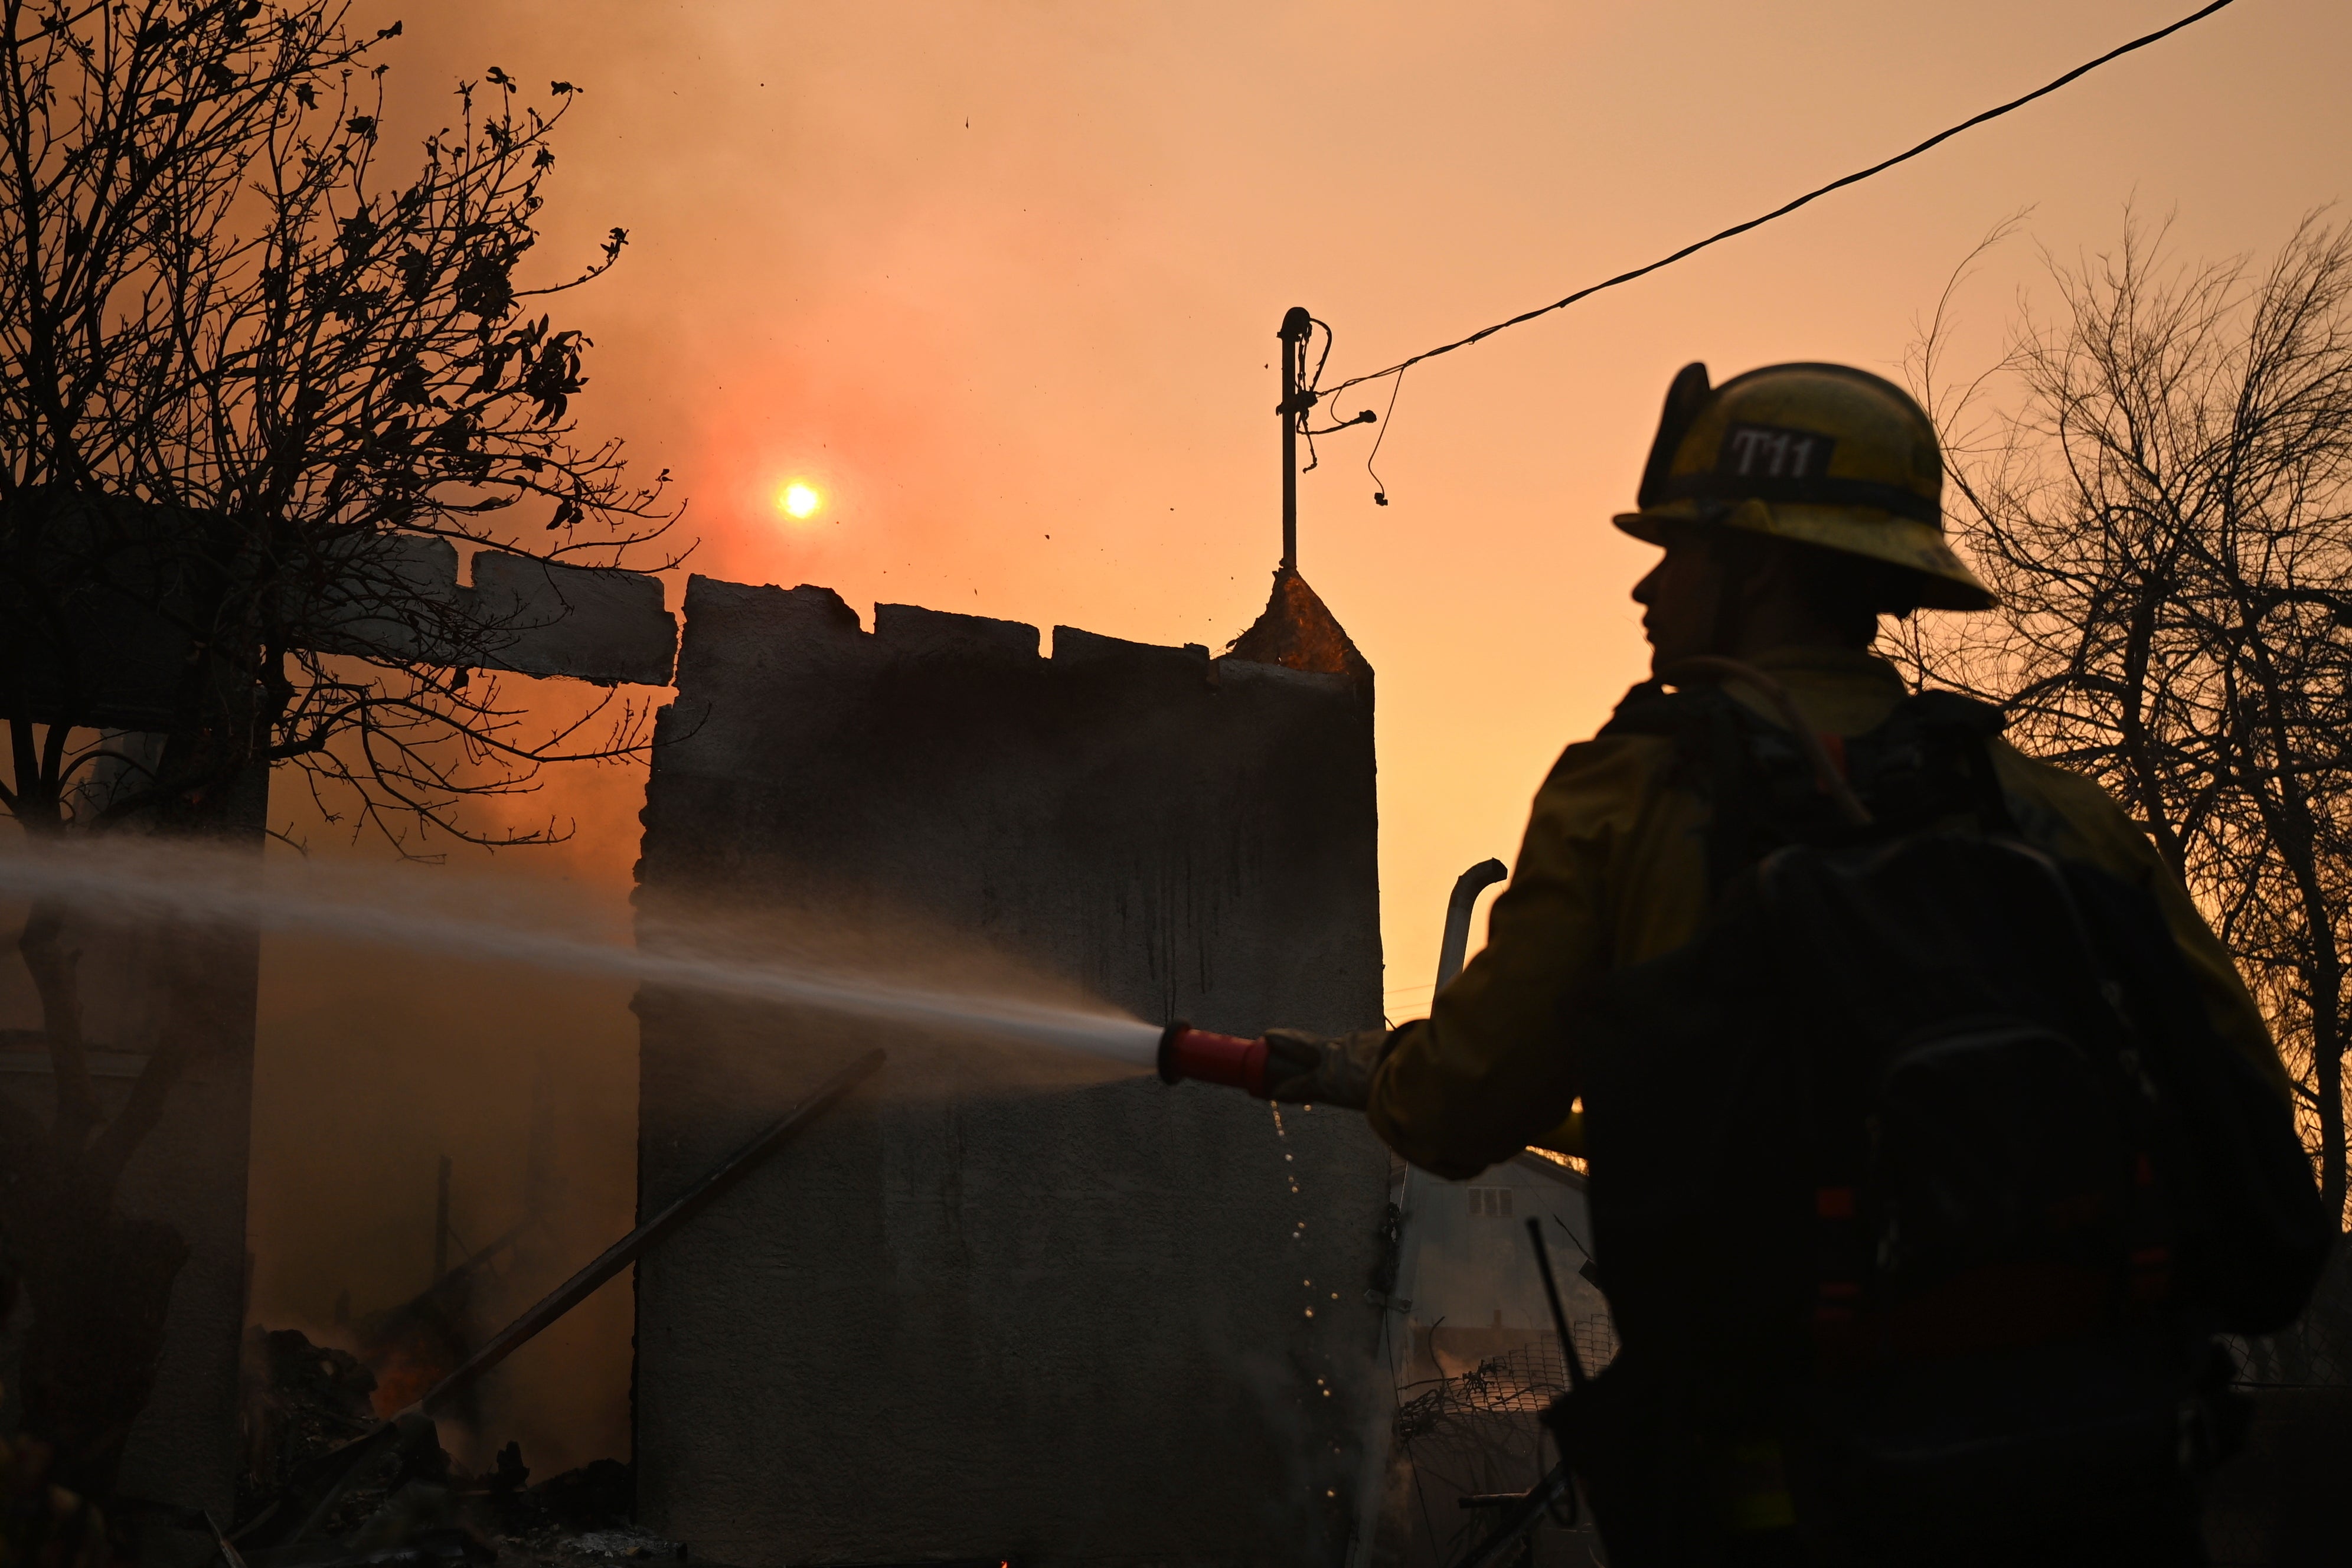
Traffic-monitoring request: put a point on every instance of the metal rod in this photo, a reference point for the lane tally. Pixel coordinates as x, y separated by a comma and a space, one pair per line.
441, 1223
627, 1250
228, 1553
1459, 909
1551, 1295
1296, 324
1411, 1190
1524, 1515
1527, 1510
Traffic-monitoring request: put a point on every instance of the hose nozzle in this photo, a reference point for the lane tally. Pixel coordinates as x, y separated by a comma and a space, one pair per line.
1186, 1052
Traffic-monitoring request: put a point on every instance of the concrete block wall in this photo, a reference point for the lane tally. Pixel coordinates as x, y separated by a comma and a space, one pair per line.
393, 596
520, 614
973, 1314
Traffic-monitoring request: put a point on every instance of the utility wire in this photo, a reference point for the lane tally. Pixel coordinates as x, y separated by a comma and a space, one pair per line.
1940, 136
1379, 491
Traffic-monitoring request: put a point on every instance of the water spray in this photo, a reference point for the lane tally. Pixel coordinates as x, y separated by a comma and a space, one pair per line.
203, 888
209, 890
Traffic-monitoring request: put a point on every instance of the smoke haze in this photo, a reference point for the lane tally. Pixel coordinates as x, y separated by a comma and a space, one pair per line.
1001, 280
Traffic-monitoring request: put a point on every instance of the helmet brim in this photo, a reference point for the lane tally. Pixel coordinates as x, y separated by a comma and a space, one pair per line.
1945, 581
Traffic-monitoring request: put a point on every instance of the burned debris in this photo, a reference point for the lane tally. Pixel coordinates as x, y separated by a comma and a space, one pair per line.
328, 1484
404, 1502
302, 1401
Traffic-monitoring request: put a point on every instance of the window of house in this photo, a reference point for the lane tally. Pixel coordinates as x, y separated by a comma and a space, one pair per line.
1490, 1203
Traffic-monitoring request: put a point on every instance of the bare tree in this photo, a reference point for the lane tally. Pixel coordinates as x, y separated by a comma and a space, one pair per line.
254, 390
2158, 481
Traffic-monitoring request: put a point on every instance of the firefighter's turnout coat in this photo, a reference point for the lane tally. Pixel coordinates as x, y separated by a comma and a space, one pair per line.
1614, 872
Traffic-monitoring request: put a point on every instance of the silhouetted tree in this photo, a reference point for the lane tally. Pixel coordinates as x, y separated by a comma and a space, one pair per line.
254, 387
2158, 481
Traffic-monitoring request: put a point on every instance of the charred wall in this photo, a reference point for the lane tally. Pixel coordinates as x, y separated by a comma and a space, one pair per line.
170, 1258
967, 1316
183, 1190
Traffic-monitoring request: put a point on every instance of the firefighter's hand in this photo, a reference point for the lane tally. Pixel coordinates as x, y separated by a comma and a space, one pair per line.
1316, 1069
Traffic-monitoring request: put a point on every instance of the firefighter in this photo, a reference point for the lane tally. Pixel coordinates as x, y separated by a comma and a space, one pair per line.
1796, 505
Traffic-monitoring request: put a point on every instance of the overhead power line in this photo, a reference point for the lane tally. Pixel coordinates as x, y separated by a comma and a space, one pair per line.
1941, 136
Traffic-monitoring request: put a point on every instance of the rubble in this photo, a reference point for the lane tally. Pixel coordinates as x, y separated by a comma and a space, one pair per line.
326, 1485
301, 1401
443, 1546
630, 1543
406, 1503
308, 1408
377, 1491
597, 1496
582, 1513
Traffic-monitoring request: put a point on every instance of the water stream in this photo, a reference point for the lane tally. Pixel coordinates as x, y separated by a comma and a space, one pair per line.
140, 877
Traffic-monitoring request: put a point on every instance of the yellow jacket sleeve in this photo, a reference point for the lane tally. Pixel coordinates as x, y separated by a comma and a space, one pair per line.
2074, 818
1495, 1068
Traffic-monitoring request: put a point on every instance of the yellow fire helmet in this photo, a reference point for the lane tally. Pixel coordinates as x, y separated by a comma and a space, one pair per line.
1821, 454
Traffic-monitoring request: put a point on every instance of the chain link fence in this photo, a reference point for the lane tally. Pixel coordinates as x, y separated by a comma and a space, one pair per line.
1478, 1433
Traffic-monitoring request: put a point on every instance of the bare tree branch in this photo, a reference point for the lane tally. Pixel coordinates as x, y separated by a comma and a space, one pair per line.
2158, 481
261, 393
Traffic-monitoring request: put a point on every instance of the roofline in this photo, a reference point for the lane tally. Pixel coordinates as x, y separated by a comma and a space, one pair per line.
1527, 1161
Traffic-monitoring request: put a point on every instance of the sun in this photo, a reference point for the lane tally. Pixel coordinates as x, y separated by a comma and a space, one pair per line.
798, 501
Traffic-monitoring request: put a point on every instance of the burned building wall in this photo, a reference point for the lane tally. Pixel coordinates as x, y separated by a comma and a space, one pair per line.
967, 1316
172, 1244
144, 983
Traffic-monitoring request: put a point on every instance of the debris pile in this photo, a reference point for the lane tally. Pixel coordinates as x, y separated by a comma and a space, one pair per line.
329, 1486
301, 1401
582, 1514
598, 1497
325, 1481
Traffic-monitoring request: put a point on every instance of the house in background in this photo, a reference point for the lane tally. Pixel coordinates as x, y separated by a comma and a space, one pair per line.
1468, 1287
1476, 1359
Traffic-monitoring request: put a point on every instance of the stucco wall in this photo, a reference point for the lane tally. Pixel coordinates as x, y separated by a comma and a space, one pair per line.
979, 1310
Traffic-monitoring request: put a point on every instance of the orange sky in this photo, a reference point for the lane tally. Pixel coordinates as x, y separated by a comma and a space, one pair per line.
1003, 280
990, 273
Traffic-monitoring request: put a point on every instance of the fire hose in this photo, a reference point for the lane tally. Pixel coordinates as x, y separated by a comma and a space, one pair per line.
1207, 1057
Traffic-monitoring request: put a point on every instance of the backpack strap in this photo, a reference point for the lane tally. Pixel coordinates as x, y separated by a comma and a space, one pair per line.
1927, 760
1931, 758
1710, 730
